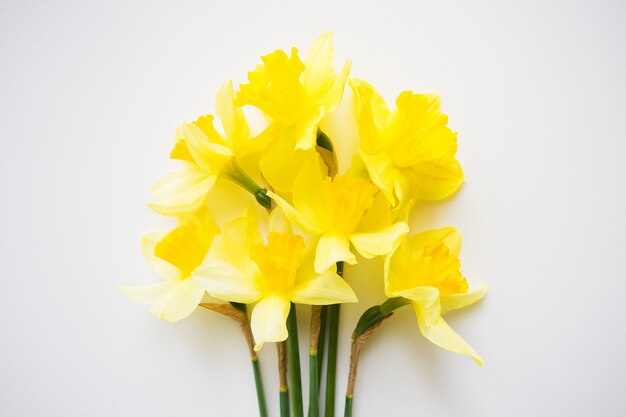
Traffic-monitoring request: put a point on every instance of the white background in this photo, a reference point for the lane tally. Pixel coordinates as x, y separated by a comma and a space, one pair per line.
90, 95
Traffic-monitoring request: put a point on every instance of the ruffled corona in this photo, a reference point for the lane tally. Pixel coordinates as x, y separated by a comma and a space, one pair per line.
425, 269
409, 152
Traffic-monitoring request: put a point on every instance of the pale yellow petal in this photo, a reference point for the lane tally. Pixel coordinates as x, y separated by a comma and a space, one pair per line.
331, 249
372, 113
323, 289
278, 222
280, 162
149, 294
331, 98
308, 192
172, 300
380, 242
319, 63
436, 180
181, 192
237, 237
163, 269
269, 320
209, 156
305, 221
383, 174
226, 282
442, 335
455, 301
306, 129
449, 236
231, 116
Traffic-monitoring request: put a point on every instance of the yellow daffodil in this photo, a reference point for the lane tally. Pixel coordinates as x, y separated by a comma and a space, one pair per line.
295, 95
207, 155
174, 256
409, 152
334, 209
242, 268
425, 269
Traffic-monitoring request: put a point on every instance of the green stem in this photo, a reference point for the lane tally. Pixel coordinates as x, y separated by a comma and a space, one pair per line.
258, 381
333, 338
284, 403
321, 343
281, 349
348, 409
314, 400
293, 352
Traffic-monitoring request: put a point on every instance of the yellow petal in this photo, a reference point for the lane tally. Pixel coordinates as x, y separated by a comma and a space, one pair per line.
278, 222
380, 242
305, 221
238, 235
172, 300
383, 174
280, 163
308, 192
319, 63
181, 192
331, 249
226, 282
442, 335
209, 156
455, 301
164, 270
306, 129
436, 180
323, 289
331, 98
449, 236
372, 114
231, 116
269, 320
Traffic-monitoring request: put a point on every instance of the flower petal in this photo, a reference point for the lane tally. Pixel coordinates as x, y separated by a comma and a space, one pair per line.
163, 269
269, 320
182, 191
319, 64
436, 180
231, 116
449, 236
372, 113
209, 156
305, 221
327, 288
308, 191
380, 242
173, 300
442, 335
455, 301
383, 174
280, 162
332, 248
278, 222
226, 282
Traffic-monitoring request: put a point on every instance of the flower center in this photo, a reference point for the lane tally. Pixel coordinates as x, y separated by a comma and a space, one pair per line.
433, 266
183, 247
278, 260
348, 199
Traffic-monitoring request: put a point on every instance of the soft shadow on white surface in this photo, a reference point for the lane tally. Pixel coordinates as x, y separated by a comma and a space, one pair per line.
90, 95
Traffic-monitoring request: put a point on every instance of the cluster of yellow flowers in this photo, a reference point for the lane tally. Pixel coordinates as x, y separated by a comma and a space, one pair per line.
315, 218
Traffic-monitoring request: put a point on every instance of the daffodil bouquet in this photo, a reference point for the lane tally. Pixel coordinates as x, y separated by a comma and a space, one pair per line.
304, 219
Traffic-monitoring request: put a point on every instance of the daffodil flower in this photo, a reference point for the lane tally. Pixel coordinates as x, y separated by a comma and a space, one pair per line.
207, 155
295, 95
409, 152
174, 256
334, 209
425, 269
242, 268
